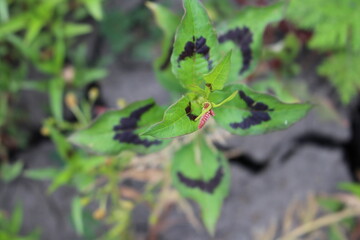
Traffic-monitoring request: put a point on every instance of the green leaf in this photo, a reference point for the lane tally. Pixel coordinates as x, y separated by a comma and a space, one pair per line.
336, 233
179, 119
33, 30
9, 172
87, 75
62, 178
164, 18
252, 113
16, 219
56, 91
21, 21
75, 29
59, 49
244, 33
336, 24
202, 175
353, 188
340, 70
220, 74
63, 147
4, 11
284, 91
94, 7
41, 173
76, 215
195, 47
330, 204
168, 22
3, 108
115, 131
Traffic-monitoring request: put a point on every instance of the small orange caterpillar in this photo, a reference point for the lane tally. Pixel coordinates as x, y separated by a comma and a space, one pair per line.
206, 116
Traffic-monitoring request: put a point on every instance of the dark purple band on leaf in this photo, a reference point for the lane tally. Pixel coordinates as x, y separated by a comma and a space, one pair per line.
243, 38
132, 138
205, 186
130, 122
259, 113
189, 113
124, 132
196, 46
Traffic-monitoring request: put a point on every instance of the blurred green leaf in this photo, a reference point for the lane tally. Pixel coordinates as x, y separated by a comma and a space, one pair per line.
339, 69
22, 21
56, 91
75, 29
76, 215
64, 177
335, 233
63, 147
59, 49
284, 91
95, 8
255, 19
168, 23
353, 188
87, 75
3, 108
4, 11
41, 173
202, 175
9, 172
118, 35
34, 29
16, 219
330, 204
165, 19
336, 23
82, 180
12, 26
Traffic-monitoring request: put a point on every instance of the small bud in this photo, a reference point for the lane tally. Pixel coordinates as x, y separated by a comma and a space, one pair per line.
70, 100
108, 161
45, 131
68, 73
93, 93
121, 103
128, 205
99, 213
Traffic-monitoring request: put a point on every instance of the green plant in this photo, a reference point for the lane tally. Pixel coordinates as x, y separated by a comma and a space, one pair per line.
336, 31
201, 66
34, 39
10, 226
321, 217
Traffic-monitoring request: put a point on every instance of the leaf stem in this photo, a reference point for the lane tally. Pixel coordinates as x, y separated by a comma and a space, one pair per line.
228, 99
321, 222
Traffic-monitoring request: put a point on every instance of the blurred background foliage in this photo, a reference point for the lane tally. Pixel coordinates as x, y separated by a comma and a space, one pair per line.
63, 48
